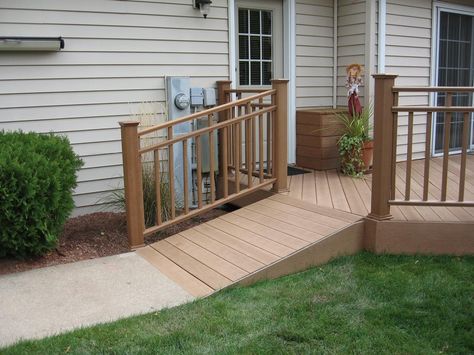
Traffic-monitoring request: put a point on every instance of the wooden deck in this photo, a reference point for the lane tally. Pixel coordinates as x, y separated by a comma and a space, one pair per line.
318, 218
232, 247
333, 190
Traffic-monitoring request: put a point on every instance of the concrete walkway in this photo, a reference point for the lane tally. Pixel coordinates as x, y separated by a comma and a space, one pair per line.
42, 302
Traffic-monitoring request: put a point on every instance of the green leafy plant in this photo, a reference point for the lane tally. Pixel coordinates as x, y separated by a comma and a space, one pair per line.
351, 142
37, 176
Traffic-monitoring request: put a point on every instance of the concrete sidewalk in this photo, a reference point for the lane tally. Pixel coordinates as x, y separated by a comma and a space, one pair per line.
47, 301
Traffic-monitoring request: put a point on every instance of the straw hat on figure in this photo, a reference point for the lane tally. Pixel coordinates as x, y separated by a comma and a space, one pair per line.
354, 79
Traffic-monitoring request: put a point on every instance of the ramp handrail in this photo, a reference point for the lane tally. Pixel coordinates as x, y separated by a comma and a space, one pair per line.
251, 145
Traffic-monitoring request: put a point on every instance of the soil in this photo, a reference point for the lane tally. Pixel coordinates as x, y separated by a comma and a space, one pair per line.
95, 235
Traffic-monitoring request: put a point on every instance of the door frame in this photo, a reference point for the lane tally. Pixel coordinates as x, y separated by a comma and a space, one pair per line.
289, 63
438, 7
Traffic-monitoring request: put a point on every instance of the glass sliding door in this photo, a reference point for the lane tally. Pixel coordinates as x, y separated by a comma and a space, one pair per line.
455, 68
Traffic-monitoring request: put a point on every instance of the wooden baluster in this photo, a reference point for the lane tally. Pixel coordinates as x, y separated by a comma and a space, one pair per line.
254, 141
394, 147
132, 176
409, 157
185, 177
237, 148
248, 146
269, 142
280, 128
230, 137
426, 177
446, 142
171, 173
465, 138
211, 160
383, 147
260, 148
225, 177
199, 170
156, 154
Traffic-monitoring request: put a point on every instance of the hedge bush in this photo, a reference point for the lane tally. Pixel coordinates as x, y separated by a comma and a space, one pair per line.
37, 176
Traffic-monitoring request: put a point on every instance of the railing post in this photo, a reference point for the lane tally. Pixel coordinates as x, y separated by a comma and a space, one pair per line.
280, 135
132, 176
222, 86
383, 145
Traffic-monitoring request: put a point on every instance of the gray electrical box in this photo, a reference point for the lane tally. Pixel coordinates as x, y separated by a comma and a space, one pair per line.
197, 97
202, 123
178, 102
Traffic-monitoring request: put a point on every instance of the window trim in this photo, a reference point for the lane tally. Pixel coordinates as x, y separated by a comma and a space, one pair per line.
439, 7
249, 34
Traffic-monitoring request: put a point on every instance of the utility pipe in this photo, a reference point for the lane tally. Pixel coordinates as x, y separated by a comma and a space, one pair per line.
334, 67
381, 36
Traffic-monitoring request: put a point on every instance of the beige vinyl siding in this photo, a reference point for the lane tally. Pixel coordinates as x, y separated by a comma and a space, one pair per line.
408, 54
351, 43
314, 53
116, 57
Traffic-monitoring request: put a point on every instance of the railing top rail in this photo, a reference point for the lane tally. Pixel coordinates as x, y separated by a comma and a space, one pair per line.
206, 129
433, 89
432, 108
206, 112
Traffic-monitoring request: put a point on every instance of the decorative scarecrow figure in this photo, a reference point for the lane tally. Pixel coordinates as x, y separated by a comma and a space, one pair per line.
354, 79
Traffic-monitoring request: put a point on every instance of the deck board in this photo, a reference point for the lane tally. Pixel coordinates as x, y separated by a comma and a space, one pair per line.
264, 231
231, 255
230, 248
227, 269
353, 195
187, 281
271, 222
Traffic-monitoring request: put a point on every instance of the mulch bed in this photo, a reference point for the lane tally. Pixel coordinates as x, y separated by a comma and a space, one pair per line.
95, 235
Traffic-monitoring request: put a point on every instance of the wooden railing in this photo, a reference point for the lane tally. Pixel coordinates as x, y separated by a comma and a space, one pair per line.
252, 140
386, 112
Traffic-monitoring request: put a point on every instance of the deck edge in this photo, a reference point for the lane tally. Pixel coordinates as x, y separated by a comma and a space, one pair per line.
345, 241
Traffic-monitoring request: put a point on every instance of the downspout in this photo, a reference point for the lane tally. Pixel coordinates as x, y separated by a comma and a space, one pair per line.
334, 67
381, 36
231, 36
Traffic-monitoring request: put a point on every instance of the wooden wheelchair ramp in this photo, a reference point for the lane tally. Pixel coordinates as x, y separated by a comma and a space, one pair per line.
262, 240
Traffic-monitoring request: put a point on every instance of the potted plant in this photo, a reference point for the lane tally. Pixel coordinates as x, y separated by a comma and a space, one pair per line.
355, 146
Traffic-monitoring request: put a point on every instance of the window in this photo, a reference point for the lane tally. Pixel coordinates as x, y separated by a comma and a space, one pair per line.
255, 47
455, 68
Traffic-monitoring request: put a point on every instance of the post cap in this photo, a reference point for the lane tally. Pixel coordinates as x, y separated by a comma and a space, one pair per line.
279, 81
384, 76
129, 123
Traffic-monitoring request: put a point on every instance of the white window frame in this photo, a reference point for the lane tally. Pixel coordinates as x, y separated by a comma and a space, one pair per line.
439, 7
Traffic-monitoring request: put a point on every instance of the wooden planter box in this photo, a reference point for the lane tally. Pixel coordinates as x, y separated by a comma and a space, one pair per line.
317, 133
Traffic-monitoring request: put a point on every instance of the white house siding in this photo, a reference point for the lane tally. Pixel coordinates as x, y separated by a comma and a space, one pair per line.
314, 52
116, 56
351, 42
408, 54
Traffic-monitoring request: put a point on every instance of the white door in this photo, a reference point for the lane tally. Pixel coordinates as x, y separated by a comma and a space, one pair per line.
259, 47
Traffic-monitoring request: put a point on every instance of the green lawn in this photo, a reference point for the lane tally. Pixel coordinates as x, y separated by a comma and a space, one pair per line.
362, 304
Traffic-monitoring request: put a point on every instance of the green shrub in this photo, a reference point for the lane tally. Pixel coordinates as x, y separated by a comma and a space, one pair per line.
37, 176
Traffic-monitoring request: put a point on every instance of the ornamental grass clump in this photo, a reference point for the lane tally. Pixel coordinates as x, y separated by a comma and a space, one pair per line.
37, 177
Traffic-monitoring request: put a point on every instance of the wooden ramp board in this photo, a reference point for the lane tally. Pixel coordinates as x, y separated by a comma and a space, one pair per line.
242, 244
